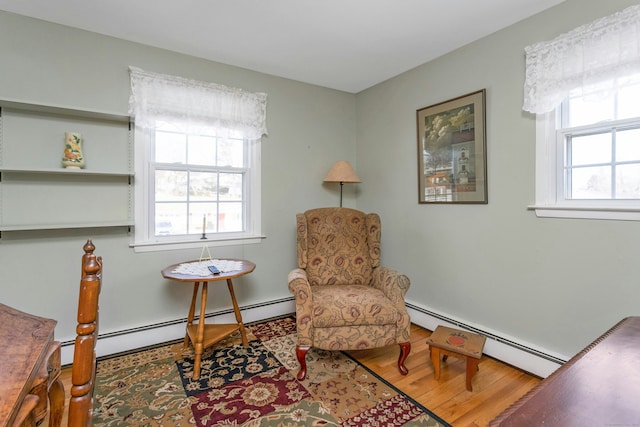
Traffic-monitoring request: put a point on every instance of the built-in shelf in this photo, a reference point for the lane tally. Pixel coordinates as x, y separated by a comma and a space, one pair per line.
63, 171
32, 108
38, 193
31, 227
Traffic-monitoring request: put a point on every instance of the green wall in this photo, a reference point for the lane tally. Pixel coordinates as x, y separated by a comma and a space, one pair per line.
309, 129
554, 283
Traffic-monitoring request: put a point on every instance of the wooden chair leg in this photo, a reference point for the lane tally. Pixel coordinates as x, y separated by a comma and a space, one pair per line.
301, 354
405, 349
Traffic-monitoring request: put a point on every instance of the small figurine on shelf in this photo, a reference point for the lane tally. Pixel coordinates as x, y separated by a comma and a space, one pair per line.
73, 158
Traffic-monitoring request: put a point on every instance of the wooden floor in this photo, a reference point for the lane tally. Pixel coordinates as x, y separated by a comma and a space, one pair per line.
495, 386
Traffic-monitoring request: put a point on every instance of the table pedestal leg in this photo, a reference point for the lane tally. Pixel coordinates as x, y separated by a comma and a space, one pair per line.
196, 333
236, 311
192, 312
198, 346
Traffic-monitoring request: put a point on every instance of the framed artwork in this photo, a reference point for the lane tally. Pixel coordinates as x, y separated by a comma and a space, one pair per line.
452, 151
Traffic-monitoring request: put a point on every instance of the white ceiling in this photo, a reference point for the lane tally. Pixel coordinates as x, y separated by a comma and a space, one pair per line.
347, 45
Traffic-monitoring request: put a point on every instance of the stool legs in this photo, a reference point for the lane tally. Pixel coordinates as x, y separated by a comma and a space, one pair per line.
472, 363
435, 359
472, 368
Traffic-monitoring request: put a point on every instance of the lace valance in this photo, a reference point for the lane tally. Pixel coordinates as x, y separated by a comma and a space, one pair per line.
164, 98
601, 50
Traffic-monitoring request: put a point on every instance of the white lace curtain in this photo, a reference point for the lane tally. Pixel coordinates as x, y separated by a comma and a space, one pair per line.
590, 54
195, 105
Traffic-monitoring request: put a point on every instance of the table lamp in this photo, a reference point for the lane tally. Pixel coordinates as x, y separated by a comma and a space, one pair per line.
341, 172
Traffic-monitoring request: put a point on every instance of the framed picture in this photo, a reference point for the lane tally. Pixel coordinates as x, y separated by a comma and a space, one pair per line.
452, 151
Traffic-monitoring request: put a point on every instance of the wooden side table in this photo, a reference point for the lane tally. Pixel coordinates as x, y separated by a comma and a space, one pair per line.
453, 342
200, 334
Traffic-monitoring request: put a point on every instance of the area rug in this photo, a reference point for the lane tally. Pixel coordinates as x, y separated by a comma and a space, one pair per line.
254, 386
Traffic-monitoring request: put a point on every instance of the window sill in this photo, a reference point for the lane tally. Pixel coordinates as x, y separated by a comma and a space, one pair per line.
587, 212
191, 244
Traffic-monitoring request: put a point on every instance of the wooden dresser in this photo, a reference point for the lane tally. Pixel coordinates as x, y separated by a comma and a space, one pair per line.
30, 369
599, 386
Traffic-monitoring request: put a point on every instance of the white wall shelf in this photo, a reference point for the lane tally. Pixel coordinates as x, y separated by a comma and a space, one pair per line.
63, 171
38, 193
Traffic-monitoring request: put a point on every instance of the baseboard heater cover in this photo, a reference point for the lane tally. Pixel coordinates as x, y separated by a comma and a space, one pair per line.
524, 357
128, 339
506, 350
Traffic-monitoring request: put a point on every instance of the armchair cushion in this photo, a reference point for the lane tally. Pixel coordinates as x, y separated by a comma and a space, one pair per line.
352, 305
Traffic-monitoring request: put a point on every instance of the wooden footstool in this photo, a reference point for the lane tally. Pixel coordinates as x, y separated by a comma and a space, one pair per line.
453, 342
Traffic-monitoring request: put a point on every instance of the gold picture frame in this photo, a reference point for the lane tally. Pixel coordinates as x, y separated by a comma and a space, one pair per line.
452, 151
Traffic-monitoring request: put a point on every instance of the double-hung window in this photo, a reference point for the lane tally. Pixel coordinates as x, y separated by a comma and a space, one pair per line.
600, 137
584, 87
197, 162
200, 184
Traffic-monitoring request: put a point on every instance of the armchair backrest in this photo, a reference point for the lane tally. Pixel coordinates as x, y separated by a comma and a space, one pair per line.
338, 245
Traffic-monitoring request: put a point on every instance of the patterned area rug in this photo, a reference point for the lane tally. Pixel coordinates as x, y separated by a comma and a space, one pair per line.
254, 386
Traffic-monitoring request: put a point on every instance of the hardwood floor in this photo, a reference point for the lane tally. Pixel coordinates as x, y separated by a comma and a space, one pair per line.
495, 386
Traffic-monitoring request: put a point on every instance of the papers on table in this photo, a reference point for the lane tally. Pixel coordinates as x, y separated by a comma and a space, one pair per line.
201, 268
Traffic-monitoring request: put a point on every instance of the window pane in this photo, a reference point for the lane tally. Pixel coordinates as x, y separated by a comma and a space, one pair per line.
202, 186
231, 186
171, 147
202, 150
171, 218
231, 153
171, 186
628, 96
199, 197
628, 181
231, 218
589, 149
628, 145
202, 215
590, 183
591, 108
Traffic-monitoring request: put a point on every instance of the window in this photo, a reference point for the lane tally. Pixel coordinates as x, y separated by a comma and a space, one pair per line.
600, 136
198, 184
196, 175
583, 87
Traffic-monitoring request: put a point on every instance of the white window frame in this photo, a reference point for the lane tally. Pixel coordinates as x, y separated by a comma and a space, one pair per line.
192, 106
144, 238
549, 181
589, 54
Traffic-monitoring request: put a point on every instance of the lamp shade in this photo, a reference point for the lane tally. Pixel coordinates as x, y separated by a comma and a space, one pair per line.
341, 172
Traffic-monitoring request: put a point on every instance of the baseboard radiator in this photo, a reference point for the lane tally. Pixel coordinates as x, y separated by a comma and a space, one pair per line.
538, 362
525, 357
110, 343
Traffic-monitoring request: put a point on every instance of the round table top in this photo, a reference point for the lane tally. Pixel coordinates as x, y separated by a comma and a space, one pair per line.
246, 268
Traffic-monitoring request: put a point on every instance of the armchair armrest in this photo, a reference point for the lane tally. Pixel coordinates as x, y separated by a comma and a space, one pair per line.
301, 289
393, 283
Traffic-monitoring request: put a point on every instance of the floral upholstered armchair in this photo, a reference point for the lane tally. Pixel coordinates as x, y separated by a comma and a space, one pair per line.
344, 299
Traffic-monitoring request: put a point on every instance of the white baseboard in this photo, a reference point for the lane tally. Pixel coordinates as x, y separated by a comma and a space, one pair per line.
131, 339
509, 350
